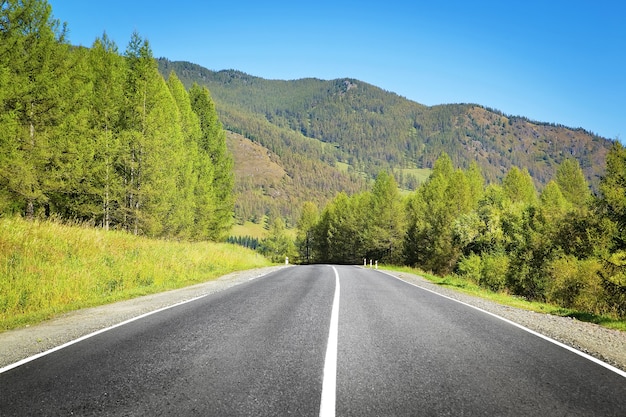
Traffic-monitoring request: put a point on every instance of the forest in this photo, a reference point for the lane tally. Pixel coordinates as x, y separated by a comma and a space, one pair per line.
96, 136
330, 135
564, 245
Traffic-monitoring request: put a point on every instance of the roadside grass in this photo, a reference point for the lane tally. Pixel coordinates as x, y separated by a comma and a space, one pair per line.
471, 288
48, 268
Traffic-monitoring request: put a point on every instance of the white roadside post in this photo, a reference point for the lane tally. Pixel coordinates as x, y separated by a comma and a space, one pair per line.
286, 260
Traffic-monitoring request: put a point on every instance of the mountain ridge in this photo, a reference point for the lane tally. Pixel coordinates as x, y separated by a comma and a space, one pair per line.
355, 129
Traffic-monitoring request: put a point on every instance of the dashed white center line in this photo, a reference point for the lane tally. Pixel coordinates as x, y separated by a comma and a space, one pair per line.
329, 384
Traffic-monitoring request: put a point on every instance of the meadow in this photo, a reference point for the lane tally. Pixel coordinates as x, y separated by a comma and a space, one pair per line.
47, 268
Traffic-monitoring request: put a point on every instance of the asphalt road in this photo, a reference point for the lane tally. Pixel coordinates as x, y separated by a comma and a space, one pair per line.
260, 348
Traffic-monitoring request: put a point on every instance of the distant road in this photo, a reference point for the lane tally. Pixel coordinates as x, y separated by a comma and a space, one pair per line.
260, 348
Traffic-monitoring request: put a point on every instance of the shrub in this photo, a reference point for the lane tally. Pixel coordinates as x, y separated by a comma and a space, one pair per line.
494, 267
469, 267
575, 283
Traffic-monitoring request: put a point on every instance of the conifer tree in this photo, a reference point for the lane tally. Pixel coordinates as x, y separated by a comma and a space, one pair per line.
153, 140
305, 238
184, 209
519, 187
432, 211
385, 224
33, 56
214, 193
107, 79
572, 183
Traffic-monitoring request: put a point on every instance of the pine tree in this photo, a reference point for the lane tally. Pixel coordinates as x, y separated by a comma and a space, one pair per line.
215, 187
152, 138
185, 208
107, 69
519, 187
33, 56
385, 222
305, 238
572, 183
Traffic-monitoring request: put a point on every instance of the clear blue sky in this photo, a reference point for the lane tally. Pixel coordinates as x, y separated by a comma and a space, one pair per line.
550, 60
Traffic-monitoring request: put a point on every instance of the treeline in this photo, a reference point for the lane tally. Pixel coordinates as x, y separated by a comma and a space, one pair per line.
92, 135
564, 245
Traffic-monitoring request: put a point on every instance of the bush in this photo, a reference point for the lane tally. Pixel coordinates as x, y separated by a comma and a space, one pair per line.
493, 271
469, 267
575, 283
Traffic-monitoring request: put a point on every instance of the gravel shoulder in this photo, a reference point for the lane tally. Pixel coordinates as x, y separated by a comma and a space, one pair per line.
608, 345
605, 344
25, 342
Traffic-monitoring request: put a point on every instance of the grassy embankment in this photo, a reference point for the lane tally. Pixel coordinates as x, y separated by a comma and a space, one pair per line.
471, 288
48, 268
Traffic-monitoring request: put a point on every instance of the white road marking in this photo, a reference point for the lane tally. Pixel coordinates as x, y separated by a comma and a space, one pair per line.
97, 332
556, 342
329, 384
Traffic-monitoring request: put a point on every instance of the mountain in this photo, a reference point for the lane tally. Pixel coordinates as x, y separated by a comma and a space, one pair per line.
330, 136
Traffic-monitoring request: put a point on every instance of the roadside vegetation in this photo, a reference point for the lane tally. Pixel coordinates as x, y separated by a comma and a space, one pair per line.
563, 245
470, 287
49, 268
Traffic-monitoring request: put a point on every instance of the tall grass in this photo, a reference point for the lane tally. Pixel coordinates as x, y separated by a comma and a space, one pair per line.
48, 268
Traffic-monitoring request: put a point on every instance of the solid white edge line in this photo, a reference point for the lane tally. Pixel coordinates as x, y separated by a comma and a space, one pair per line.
329, 383
549, 339
97, 332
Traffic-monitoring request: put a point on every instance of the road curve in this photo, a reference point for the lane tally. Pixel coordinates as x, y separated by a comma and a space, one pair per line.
259, 348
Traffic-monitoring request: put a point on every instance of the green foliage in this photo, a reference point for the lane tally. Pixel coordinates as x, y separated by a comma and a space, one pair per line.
572, 183
501, 237
432, 212
493, 269
277, 245
575, 283
99, 137
305, 240
519, 187
217, 186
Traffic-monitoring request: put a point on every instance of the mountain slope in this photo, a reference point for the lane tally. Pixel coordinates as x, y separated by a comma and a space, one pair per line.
351, 125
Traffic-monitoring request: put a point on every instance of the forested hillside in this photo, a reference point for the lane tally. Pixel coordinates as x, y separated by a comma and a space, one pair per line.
95, 135
347, 121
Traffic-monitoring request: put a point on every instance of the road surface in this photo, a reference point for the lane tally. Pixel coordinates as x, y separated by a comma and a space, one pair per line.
269, 347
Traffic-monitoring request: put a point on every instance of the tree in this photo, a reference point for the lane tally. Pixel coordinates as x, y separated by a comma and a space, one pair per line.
385, 222
277, 245
184, 213
305, 238
33, 71
214, 186
152, 138
612, 204
519, 187
107, 72
572, 183
613, 192
432, 211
